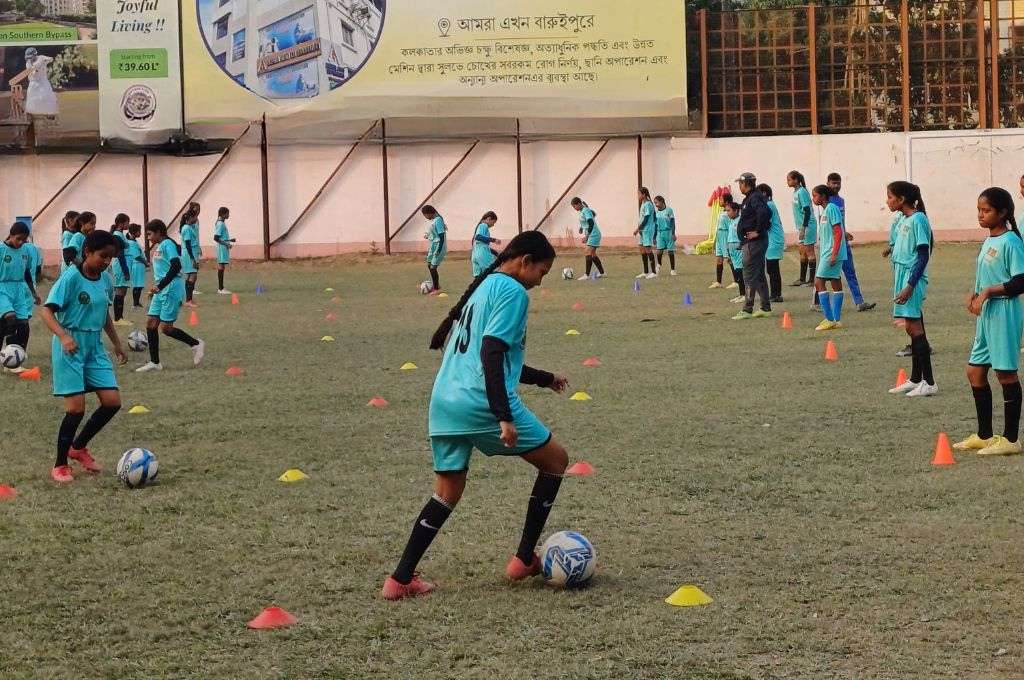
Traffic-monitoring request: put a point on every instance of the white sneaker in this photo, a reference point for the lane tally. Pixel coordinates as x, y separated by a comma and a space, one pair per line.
582, 277
905, 387
738, 299
224, 292
149, 367
924, 390
196, 291
652, 276
642, 276
733, 285
599, 275
198, 352
673, 273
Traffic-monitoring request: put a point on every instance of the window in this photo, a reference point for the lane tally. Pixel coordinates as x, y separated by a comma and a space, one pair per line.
240, 79
238, 45
223, 2
348, 35
221, 26
221, 59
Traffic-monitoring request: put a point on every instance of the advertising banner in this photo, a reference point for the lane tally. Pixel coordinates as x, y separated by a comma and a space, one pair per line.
364, 59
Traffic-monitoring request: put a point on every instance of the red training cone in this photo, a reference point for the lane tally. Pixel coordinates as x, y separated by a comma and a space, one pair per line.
7, 492
901, 377
272, 617
378, 402
580, 469
787, 321
234, 298
577, 307
831, 353
592, 362
331, 317
193, 319
32, 374
943, 453
234, 371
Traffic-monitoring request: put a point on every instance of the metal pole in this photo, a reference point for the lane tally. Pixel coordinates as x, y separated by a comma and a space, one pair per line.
265, 176
213, 170
703, 16
982, 90
994, 44
812, 65
905, 60
565, 193
436, 188
145, 199
387, 203
519, 176
639, 161
64, 186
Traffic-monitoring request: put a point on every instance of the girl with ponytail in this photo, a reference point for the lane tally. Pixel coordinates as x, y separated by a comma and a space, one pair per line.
437, 234
591, 236
83, 226
805, 225
483, 256
999, 280
910, 253
645, 230
474, 404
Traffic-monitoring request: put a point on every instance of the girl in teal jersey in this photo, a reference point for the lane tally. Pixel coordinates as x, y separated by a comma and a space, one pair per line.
803, 219
832, 249
999, 281
17, 288
483, 256
121, 268
77, 312
224, 245
721, 242
67, 227
911, 251
437, 234
137, 263
190, 255
475, 405
732, 212
83, 226
665, 237
591, 236
776, 247
645, 231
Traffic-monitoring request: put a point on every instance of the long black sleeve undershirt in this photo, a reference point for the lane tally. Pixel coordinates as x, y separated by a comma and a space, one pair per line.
124, 264
440, 240
1014, 286
492, 356
484, 239
171, 274
923, 253
28, 280
807, 216
188, 248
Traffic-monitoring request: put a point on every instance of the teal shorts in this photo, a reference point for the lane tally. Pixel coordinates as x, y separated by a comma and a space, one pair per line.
810, 235
435, 256
829, 271
12, 299
775, 251
166, 303
119, 279
721, 245
997, 335
223, 254
647, 238
914, 307
87, 370
594, 240
665, 241
452, 452
736, 259
138, 275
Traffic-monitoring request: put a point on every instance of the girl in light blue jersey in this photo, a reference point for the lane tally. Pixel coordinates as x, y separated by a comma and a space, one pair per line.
805, 225
77, 312
732, 239
137, 262
17, 289
475, 405
122, 272
999, 281
722, 242
437, 234
665, 237
67, 227
645, 232
776, 247
832, 250
591, 236
483, 256
190, 255
83, 226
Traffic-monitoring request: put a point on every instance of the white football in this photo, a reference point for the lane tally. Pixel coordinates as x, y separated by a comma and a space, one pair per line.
568, 274
137, 341
137, 468
12, 356
567, 560
426, 287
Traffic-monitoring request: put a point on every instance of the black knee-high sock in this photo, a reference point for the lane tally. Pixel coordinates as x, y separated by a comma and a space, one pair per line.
803, 270
137, 297
545, 489
1011, 410
920, 349
812, 269
643, 256
597, 263
434, 278
220, 279
672, 260
431, 518
915, 366
190, 287
719, 268
118, 307
19, 336
737, 276
661, 256
66, 435
96, 422
153, 338
181, 336
983, 406
590, 264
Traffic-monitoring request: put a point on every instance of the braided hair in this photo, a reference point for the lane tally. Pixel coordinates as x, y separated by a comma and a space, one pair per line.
1001, 201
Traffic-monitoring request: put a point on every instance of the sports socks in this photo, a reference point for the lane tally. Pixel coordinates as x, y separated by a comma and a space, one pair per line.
922, 360
66, 435
983, 406
597, 263
737, 276
803, 270
96, 422
812, 269
190, 287
136, 297
545, 489
430, 520
118, 307
590, 264
837, 305
643, 256
719, 268
434, 279
220, 279
1011, 411
181, 336
826, 305
671, 260
153, 338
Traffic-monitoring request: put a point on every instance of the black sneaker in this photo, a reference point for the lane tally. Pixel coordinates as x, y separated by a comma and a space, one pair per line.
905, 352
866, 306
777, 299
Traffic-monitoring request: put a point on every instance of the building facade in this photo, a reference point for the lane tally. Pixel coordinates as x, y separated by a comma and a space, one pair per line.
56, 8
292, 49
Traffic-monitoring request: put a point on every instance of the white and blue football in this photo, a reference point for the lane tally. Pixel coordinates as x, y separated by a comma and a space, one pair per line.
137, 468
567, 560
12, 356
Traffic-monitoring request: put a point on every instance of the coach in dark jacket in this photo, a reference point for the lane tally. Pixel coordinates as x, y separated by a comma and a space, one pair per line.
755, 221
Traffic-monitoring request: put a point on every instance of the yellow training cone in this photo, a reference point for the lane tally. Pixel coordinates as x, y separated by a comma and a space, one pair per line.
327, 338
328, 290
442, 295
293, 475
580, 396
688, 596
138, 410
409, 366
572, 331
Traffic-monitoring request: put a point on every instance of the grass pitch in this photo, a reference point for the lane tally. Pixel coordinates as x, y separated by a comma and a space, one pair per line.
729, 455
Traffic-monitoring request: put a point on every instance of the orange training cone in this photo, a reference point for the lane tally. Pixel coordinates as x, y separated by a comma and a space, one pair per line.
272, 617
32, 374
336, 300
193, 319
580, 469
943, 454
234, 371
331, 317
592, 362
234, 298
577, 307
7, 492
787, 321
831, 354
377, 402
901, 377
